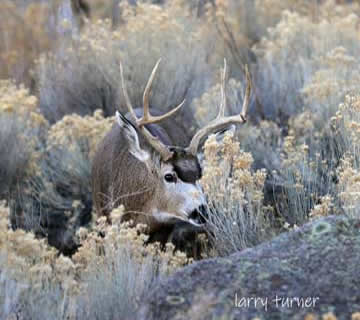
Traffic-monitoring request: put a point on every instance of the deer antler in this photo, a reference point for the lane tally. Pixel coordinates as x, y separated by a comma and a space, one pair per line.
221, 122
147, 118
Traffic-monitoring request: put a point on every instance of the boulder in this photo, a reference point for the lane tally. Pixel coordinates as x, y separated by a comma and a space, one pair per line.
314, 269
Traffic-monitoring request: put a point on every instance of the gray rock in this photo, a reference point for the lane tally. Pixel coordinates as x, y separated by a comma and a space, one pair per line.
319, 261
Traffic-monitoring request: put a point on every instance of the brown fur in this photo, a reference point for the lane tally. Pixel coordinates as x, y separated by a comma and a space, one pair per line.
111, 187
120, 178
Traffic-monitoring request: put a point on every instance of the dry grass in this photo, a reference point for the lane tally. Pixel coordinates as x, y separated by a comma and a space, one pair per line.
105, 278
347, 122
21, 128
55, 198
238, 218
84, 76
297, 159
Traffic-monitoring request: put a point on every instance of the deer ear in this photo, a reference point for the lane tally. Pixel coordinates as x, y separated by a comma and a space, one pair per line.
132, 138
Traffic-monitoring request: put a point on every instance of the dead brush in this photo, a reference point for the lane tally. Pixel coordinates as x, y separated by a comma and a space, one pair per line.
107, 276
83, 75
238, 218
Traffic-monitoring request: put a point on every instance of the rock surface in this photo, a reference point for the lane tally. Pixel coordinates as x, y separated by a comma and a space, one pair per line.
319, 261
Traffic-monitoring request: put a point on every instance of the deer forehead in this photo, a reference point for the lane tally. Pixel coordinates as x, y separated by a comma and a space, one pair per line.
187, 168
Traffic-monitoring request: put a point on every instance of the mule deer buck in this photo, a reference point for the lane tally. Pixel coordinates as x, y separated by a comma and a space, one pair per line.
158, 183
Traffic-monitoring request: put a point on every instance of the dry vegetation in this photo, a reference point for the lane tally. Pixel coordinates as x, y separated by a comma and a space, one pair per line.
297, 159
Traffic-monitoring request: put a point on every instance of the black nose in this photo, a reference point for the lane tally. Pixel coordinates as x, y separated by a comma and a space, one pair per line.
199, 215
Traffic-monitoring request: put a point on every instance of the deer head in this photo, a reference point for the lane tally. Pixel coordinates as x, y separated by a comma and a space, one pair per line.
157, 183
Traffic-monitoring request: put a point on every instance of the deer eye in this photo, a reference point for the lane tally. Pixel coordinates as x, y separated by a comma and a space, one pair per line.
170, 177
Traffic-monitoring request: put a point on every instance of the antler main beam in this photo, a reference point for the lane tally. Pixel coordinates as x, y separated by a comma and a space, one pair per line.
221, 122
147, 118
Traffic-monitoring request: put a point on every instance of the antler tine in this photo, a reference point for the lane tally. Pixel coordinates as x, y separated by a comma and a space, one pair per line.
223, 93
147, 117
163, 150
222, 122
154, 119
147, 90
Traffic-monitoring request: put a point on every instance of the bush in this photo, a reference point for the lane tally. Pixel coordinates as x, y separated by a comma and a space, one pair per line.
238, 218
27, 29
84, 75
56, 200
14, 156
106, 278
22, 128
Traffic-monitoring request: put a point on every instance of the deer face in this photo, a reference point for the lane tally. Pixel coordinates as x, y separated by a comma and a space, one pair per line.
185, 199
177, 193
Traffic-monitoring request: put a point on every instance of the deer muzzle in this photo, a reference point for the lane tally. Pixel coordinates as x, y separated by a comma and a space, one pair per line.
199, 216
